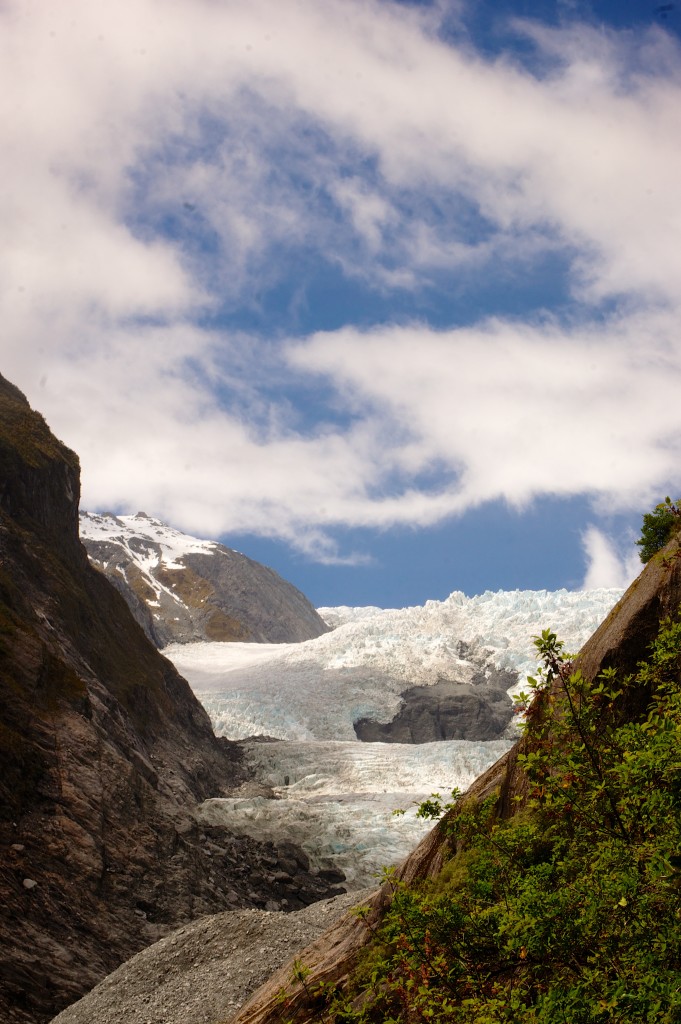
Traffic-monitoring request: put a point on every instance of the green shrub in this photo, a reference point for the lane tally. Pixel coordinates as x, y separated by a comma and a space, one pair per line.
657, 527
569, 911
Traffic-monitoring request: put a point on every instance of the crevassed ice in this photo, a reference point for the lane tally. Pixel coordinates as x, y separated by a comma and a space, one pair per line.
336, 800
316, 690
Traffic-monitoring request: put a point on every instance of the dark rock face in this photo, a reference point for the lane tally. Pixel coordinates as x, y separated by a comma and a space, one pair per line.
210, 594
477, 709
444, 711
104, 752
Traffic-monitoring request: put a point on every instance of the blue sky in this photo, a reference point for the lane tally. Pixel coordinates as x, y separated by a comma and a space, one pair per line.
384, 294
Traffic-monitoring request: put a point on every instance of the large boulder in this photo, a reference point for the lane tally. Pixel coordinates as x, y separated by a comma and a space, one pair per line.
446, 710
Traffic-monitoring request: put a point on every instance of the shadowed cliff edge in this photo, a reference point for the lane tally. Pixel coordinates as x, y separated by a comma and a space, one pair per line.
621, 641
104, 753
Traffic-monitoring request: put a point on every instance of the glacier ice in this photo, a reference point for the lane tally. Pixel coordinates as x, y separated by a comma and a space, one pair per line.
316, 690
335, 795
336, 800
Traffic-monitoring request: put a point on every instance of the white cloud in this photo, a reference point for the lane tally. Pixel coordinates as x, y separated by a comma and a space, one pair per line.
606, 566
298, 88
161, 424
155, 161
369, 212
515, 411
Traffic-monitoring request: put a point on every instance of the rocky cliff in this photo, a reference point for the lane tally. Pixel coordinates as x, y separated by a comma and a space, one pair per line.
104, 752
182, 589
448, 710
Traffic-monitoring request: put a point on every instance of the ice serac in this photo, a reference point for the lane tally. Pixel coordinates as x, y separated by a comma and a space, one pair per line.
182, 589
409, 675
104, 754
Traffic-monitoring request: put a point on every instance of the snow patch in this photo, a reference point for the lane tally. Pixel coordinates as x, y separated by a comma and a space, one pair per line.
169, 548
165, 549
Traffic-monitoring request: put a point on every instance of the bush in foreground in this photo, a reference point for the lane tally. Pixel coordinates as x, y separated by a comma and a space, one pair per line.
658, 527
570, 911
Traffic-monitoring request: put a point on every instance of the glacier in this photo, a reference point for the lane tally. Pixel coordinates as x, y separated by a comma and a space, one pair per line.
337, 800
330, 793
317, 689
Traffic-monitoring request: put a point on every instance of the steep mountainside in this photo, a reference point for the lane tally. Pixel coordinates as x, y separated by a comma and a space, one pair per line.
181, 589
620, 642
104, 752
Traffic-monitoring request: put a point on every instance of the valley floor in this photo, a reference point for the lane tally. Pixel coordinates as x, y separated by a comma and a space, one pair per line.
204, 972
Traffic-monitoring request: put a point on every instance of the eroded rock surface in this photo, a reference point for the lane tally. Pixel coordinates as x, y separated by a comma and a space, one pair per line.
447, 710
181, 589
104, 753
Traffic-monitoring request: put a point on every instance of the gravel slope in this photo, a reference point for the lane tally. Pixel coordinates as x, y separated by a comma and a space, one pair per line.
204, 972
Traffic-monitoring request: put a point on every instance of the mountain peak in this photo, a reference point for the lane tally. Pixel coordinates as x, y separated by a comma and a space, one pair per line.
181, 588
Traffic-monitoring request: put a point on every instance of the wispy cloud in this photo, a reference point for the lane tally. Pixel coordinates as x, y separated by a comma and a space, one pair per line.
515, 410
606, 565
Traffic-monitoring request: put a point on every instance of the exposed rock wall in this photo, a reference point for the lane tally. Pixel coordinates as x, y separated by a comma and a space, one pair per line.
182, 590
445, 710
104, 752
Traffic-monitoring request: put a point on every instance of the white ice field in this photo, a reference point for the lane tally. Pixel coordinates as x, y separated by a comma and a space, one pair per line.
335, 795
339, 802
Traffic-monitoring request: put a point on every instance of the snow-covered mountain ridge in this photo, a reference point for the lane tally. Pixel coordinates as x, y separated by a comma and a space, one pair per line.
182, 589
167, 546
